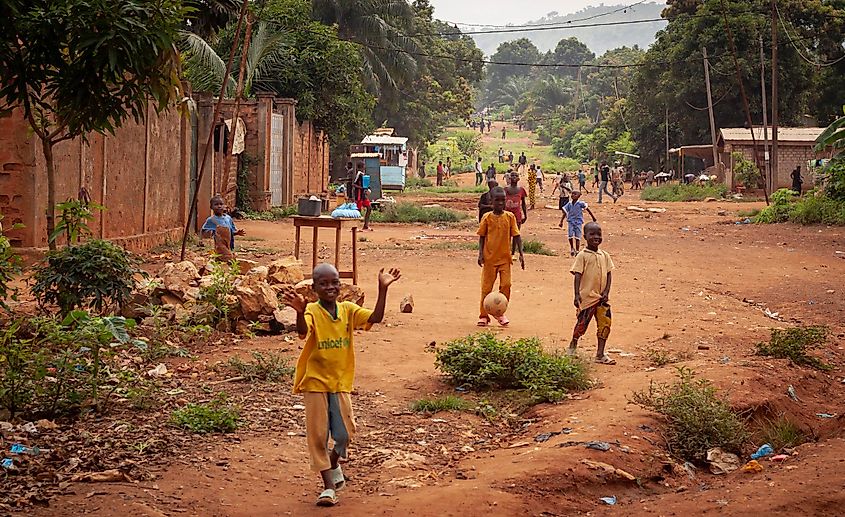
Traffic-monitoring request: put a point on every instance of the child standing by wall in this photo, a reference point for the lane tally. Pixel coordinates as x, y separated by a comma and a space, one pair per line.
573, 211
326, 369
592, 269
495, 233
221, 227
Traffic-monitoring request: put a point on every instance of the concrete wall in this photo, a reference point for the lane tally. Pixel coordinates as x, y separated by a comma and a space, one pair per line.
141, 175
790, 155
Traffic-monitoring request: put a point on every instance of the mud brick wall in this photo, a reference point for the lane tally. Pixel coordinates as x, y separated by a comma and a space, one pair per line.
141, 175
311, 160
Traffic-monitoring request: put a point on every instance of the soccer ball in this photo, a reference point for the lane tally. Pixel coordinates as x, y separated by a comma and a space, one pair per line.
495, 304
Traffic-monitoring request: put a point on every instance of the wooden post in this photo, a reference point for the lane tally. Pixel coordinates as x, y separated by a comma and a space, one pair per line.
355, 254
314, 248
337, 247
710, 107
296, 246
767, 170
774, 162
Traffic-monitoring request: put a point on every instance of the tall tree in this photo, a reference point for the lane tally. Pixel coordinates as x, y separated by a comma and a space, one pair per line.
86, 65
568, 51
379, 27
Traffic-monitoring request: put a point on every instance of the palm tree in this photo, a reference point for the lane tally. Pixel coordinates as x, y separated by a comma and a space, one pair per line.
205, 69
550, 93
377, 26
209, 16
511, 92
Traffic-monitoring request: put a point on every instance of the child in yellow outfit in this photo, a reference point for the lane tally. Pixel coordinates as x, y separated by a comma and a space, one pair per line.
326, 369
495, 232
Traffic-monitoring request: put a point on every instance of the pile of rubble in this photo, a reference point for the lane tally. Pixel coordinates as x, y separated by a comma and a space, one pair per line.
255, 302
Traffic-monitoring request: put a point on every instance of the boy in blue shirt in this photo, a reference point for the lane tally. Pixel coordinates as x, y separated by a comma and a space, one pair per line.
221, 227
574, 214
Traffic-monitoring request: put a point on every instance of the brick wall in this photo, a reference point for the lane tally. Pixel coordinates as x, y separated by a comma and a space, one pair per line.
790, 155
141, 176
311, 160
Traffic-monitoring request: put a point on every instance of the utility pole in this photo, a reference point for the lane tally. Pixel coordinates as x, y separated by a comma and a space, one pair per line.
667, 138
710, 108
767, 171
774, 162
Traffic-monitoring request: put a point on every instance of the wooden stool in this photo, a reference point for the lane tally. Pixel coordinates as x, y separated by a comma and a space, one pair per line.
339, 225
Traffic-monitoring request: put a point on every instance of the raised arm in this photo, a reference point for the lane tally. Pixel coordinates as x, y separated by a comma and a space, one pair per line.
384, 281
297, 302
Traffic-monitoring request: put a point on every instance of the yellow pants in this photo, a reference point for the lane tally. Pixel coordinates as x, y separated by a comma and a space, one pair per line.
327, 414
488, 278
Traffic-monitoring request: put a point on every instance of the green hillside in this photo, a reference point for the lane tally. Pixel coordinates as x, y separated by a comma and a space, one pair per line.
598, 39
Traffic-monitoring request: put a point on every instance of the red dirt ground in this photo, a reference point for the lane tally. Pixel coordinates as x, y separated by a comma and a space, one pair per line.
688, 280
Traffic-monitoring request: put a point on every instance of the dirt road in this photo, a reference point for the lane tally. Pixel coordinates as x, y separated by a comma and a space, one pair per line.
688, 280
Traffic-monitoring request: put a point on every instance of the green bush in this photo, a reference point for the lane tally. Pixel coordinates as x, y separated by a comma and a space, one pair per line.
94, 275
269, 367
681, 192
781, 432
405, 212
812, 208
50, 368
10, 266
216, 416
482, 361
217, 294
537, 248
447, 403
698, 417
417, 182
795, 343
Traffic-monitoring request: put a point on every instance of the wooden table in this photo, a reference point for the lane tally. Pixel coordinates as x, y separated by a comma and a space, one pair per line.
339, 225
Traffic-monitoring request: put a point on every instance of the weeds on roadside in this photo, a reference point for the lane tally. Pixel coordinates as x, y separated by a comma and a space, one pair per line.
447, 403
698, 418
537, 248
682, 192
216, 416
275, 213
406, 212
417, 182
795, 343
781, 432
267, 366
481, 362
660, 357
217, 293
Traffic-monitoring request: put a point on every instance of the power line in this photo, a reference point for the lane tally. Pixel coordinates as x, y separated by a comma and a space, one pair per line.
789, 37
490, 26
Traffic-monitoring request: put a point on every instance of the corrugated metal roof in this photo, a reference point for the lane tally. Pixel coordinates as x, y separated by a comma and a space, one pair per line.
785, 134
384, 140
364, 155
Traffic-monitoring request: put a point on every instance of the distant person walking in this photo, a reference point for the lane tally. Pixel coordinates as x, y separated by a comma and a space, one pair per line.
797, 180
604, 174
479, 172
532, 186
501, 155
504, 132
491, 172
440, 173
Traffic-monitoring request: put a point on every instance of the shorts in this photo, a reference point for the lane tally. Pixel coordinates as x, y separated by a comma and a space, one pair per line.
603, 321
575, 229
562, 202
327, 414
363, 203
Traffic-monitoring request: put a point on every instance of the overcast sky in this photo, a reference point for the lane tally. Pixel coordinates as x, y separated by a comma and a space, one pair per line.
501, 12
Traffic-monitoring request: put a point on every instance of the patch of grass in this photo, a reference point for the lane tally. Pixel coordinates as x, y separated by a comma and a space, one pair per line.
781, 432
659, 357
681, 192
405, 212
698, 417
811, 209
483, 362
417, 182
795, 343
274, 214
470, 245
447, 403
216, 416
537, 248
753, 212
268, 367
250, 238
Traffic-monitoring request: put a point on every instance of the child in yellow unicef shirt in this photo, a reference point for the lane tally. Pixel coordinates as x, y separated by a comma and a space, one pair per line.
326, 368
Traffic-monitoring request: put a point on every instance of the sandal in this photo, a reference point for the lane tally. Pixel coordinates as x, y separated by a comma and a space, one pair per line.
483, 322
503, 321
327, 498
337, 478
605, 360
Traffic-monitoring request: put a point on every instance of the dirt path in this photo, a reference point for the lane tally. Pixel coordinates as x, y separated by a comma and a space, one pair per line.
689, 280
